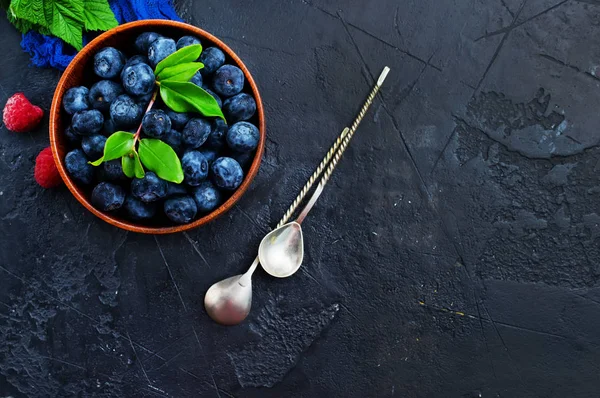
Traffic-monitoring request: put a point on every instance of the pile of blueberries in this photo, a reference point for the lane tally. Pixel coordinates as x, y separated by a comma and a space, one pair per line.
213, 154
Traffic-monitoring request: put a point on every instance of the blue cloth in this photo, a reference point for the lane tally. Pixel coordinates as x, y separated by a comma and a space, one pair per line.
50, 51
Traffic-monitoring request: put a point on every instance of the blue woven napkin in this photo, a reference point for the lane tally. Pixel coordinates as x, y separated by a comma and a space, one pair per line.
49, 51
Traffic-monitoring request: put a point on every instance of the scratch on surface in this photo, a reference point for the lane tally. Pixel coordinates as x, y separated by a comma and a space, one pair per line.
487, 347
138, 359
260, 227
187, 236
394, 121
572, 67
305, 272
514, 25
379, 39
443, 151
205, 361
230, 395
170, 273
507, 8
349, 311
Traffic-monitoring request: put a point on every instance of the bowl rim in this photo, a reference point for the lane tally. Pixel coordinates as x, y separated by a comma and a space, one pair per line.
55, 114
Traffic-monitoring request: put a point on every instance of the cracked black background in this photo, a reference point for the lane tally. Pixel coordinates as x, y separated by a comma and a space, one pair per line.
454, 253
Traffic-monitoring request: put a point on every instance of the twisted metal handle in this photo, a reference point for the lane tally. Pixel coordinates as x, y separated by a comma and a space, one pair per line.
342, 140
313, 178
343, 146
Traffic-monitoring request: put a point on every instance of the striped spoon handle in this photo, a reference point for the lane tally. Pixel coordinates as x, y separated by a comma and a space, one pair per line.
342, 147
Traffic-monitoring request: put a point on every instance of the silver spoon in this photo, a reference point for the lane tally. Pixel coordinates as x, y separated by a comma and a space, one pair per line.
228, 302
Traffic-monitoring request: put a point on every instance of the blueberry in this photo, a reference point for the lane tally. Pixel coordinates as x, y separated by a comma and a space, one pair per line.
175, 189
209, 154
244, 159
197, 79
178, 120
138, 210
243, 137
136, 59
113, 170
226, 173
78, 167
239, 107
76, 99
195, 168
181, 210
107, 196
125, 112
228, 80
160, 49
173, 138
207, 197
88, 122
149, 189
108, 128
215, 96
108, 63
218, 132
138, 79
103, 93
195, 132
187, 41
156, 123
93, 146
143, 41
212, 58
72, 137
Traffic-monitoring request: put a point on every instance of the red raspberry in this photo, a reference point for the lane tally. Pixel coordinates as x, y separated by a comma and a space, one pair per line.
46, 174
20, 115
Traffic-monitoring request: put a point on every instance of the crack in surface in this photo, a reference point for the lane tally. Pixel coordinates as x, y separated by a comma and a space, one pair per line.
567, 65
514, 25
170, 273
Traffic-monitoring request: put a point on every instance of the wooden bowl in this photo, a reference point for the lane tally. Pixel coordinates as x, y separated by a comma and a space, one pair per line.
80, 72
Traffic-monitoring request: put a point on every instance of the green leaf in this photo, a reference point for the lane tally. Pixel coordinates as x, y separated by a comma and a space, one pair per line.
182, 56
187, 97
117, 145
22, 25
62, 18
97, 15
161, 159
66, 18
128, 165
180, 73
138, 169
29, 10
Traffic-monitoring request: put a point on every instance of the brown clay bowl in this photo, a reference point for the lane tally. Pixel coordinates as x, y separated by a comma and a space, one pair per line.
80, 72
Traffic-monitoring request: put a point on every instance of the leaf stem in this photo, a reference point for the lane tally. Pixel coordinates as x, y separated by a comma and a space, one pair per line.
136, 137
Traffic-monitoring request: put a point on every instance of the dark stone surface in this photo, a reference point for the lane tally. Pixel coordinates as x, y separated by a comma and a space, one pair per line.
454, 253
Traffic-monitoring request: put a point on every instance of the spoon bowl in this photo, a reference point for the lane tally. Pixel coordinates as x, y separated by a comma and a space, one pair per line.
282, 250
228, 302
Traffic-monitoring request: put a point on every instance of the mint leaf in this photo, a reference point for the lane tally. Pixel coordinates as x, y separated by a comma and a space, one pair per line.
65, 17
161, 159
117, 145
184, 55
97, 15
187, 97
180, 73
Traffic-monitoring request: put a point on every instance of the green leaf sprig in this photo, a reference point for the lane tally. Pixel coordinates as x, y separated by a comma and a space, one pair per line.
172, 76
65, 19
172, 79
